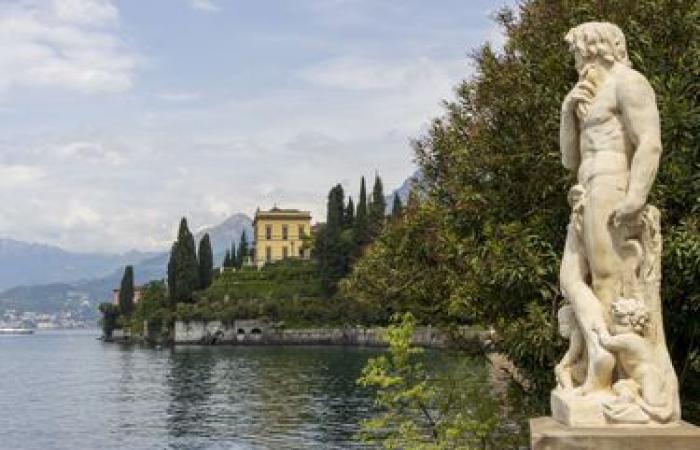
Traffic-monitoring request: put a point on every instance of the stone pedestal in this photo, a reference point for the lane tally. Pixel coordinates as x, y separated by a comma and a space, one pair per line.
548, 434
579, 411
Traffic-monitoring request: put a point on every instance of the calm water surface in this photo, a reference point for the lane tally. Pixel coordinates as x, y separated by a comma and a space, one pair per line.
67, 390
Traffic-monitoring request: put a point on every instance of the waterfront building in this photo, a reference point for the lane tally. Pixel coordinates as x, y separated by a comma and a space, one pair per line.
138, 294
279, 234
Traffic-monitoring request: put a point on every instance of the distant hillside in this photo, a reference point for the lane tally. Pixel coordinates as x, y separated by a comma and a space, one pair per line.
225, 233
404, 190
66, 281
23, 263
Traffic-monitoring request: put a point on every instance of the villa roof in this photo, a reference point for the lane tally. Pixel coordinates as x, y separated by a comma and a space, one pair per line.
279, 213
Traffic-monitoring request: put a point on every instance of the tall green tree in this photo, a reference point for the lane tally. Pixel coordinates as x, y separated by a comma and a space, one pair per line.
126, 292
183, 269
396, 207
349, 216
206, 262
498, 227
377, 209
226, 263
234, 255
361, 217
334, 250
242, 250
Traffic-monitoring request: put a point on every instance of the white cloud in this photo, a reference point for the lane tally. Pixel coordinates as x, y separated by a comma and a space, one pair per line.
72, 45
14, 176
79, 216
205, 5
86, 12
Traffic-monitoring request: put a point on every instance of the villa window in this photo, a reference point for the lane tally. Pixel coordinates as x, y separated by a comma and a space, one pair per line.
285, 252
268, 254
268, 232
301, 253
301, 231
285, 232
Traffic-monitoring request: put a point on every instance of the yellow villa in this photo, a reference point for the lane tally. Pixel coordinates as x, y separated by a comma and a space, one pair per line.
278, 234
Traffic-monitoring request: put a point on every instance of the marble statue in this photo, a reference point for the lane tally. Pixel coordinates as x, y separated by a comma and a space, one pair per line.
617, 369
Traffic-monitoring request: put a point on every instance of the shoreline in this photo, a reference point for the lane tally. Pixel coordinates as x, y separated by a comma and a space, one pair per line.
251, 333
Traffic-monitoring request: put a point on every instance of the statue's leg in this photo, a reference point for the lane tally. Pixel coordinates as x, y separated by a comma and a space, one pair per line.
603, 241
588, 312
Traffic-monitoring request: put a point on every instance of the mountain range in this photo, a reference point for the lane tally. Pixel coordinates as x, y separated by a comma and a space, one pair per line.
48, 279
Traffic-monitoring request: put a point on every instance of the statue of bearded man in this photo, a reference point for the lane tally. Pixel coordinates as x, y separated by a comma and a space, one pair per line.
610, 136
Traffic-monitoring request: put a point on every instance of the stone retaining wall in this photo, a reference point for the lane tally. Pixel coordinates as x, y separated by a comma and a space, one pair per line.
254, 332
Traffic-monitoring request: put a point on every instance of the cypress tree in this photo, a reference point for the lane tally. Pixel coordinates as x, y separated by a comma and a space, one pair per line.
126, 292
377, 209
336, 207
332, 257
242, 250
206, 262
227, 259
397, 207
349, 216
183, 269
361, 219
234, 256
172, 281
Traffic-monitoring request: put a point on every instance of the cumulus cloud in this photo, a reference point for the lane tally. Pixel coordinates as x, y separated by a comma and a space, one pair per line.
67, 44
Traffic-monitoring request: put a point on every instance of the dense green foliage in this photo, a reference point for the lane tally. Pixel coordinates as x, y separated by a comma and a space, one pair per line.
347, 231
110, 314
205, 262
484, 245
446, 404
183, 270
126, 292
289, 291
153, 307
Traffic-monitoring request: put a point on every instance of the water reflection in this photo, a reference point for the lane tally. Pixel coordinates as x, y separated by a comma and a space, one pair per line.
265, 397
66, 390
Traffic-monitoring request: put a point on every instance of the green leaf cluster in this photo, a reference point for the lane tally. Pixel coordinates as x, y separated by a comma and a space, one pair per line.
428, 402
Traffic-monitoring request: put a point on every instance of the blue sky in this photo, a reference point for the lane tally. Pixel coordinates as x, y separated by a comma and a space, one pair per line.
119, 117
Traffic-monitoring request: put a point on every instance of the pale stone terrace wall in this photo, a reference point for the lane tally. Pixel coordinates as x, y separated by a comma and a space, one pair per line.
253, 332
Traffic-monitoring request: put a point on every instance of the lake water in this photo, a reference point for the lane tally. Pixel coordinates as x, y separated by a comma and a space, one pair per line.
67, 390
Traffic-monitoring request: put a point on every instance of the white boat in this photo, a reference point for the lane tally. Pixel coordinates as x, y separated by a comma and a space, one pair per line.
16, 331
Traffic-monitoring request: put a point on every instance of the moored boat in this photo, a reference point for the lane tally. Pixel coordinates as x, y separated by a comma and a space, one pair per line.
16, 331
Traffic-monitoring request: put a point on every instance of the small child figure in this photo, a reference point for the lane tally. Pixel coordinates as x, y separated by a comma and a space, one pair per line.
571, 370
643, 382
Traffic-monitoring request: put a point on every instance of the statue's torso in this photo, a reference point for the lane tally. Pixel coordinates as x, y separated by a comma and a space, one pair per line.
605, 149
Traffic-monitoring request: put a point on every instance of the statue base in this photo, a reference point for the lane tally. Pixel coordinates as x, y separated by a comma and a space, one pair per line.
548, 434
579, 410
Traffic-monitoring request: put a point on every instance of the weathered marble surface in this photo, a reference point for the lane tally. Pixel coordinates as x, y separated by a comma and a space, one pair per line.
617, 369
548, 434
